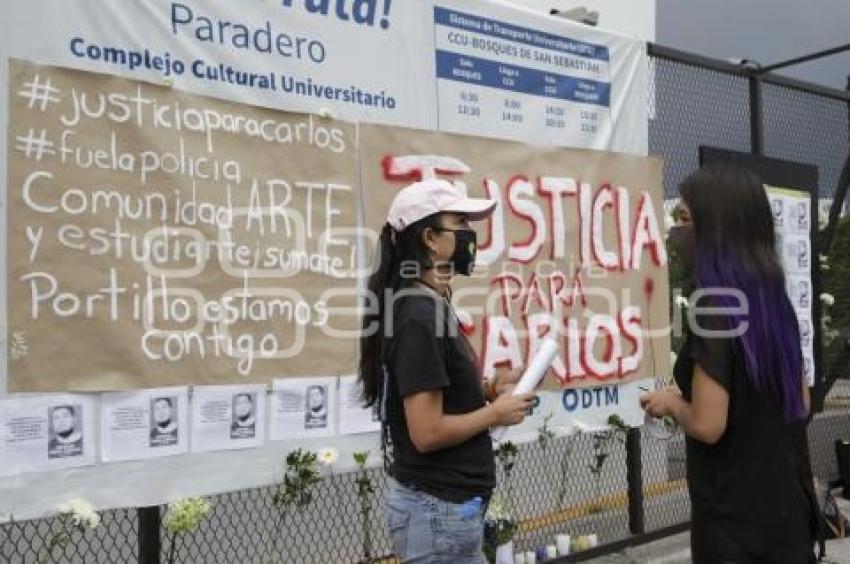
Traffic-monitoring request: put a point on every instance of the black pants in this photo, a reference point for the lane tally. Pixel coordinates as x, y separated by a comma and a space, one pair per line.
714, 542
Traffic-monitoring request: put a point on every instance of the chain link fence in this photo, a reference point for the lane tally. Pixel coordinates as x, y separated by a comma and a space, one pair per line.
577, 485
29, 542
554, 489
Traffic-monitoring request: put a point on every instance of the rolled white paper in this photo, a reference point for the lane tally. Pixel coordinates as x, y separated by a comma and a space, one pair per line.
530, 557
519, 558
563, 544
551, 551
593, 540
533, 375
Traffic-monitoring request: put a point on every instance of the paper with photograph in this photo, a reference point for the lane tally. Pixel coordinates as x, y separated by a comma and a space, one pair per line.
144, 424
47, 432
303, 407
228, 417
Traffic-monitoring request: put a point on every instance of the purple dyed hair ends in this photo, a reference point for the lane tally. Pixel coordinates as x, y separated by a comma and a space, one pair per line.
735, 248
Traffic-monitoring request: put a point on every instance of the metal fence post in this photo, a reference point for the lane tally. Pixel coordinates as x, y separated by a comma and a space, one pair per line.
634, 481
149, 540
756, 115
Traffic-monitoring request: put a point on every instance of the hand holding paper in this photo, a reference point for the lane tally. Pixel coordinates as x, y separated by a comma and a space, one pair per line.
533, 376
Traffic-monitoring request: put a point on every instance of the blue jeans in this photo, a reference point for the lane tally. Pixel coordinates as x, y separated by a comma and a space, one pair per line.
427, 530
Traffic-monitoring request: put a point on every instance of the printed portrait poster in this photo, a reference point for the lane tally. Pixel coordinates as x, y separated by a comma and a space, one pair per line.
144, 424
228, 417
303, 407
158, 238
47, 432
575, 250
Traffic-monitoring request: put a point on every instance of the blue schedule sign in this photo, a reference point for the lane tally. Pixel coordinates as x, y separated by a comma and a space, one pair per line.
483, 72
524, 76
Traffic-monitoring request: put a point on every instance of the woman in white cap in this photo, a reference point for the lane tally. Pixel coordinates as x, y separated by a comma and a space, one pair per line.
425, 377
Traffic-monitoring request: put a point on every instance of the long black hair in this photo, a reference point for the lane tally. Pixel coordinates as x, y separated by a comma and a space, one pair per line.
398, 255
735, 248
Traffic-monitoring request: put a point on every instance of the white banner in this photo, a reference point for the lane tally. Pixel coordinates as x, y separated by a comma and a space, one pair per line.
558, 82
363, 64
377, 61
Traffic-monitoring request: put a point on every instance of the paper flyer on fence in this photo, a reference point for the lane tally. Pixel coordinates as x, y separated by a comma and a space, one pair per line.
144, 424
47, 432
353, 417
302, 408
228, 417
792, 221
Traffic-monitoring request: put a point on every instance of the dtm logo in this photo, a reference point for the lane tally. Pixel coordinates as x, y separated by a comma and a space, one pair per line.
535, 407
590, 398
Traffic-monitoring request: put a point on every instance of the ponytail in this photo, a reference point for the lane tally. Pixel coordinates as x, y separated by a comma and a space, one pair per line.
385, 275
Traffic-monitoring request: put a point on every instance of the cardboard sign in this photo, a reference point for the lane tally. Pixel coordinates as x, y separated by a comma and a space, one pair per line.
158, 238
576, 245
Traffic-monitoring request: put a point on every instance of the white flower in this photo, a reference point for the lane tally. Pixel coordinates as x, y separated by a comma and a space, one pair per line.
827, 299
81, 512
328, 456
497, 509
682, 301
581, 427
186, 514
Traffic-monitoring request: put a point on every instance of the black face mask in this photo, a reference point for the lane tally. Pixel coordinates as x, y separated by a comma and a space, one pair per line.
466, 244
684, 243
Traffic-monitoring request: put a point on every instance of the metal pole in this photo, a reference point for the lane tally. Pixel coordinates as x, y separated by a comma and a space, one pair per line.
806, 58
839, 195
634, 482
756, 121
149, 540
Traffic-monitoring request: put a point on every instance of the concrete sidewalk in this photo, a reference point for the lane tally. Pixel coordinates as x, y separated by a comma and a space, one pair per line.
671, 550
675, 550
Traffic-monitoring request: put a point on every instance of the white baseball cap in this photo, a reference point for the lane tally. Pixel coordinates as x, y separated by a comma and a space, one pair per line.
431, 196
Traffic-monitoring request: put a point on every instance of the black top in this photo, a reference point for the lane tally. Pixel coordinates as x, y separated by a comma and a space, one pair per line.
756, 481
421, 354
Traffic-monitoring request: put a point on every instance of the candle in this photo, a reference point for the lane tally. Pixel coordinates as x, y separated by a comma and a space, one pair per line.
551, 551
540, 553
563, 544
530, 557
505, 553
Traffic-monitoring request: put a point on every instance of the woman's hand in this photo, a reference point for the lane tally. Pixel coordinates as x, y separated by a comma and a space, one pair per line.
662, 403
502, 383
509, 409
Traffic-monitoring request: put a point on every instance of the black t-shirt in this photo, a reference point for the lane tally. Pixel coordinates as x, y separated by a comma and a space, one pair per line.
755, 483
422, 354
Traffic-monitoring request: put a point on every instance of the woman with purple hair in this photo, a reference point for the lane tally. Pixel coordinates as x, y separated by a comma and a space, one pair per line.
742, 400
